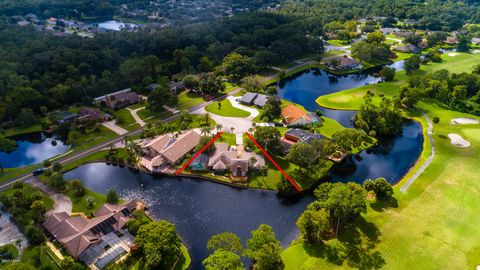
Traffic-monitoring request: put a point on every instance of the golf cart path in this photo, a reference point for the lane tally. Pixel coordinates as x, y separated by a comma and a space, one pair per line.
427, 162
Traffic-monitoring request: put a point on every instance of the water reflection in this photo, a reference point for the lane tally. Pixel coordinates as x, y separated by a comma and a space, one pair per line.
198, 208
33, 148
391, 158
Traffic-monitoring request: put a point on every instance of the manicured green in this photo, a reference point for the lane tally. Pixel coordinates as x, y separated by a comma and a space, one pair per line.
472, 133
352, 99
226, 109
433, 226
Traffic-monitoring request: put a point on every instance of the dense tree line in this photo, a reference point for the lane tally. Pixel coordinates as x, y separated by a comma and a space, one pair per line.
39, 69
458, 90
432, 15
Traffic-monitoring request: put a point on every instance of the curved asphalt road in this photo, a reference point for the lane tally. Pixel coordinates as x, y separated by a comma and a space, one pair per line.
75, 156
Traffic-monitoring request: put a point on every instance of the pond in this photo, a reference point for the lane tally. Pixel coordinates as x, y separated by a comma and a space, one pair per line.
198, 208
33, 148
305, 87
391, 158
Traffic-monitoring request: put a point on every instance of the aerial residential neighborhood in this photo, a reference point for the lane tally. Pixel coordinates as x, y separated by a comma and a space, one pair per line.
265, 135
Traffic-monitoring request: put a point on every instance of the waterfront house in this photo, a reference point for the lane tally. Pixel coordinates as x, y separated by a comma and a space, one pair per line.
248, 98
343, 62
118, 99
166, 151
294, 116
96, 241
235, 160
65, 117
299, 135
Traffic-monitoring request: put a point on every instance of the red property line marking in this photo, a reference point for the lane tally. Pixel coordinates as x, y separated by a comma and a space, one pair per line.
198, 153
274, 163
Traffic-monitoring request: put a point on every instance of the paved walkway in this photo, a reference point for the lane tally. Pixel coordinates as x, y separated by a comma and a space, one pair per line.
113, 127
136, 117
61, 202
239, 138
253, 112
427, 162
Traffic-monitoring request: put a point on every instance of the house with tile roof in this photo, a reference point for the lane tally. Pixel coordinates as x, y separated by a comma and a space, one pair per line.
236, 160
166, 150
294, 116
77, 234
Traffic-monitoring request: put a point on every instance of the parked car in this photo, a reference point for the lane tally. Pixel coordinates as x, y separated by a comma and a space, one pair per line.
38, 171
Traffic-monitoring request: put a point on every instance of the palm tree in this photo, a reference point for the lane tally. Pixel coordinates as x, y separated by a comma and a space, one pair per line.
219, 127
232, 129
250, 130
207, 119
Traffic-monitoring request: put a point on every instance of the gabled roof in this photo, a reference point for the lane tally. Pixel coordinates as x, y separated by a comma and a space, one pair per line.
260, 100
158, 144
77, 233
181, 147
248, 97
292, 113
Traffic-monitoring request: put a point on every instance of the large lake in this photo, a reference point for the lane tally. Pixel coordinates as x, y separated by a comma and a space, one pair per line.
198, 208
33, 148
391, 158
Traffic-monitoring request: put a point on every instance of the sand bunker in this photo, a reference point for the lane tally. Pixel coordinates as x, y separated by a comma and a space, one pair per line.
464, 121
458, 141
476, 51
453, 54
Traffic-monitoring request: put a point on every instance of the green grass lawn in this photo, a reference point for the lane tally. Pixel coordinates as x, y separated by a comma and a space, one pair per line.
228, 138
188, 99
352, 99
39, 258
337, 42
79, 204
125, 119
28, 190
435, 223
17, 131
226, 109
10, 248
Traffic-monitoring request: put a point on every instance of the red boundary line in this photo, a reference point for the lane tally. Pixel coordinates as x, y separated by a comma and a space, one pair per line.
198, 153
274, 163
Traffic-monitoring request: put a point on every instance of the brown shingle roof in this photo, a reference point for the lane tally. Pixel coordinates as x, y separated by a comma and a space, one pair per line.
181, 147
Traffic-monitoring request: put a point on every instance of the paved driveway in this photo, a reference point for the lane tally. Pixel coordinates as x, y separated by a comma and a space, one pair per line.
239, 124
253, 112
